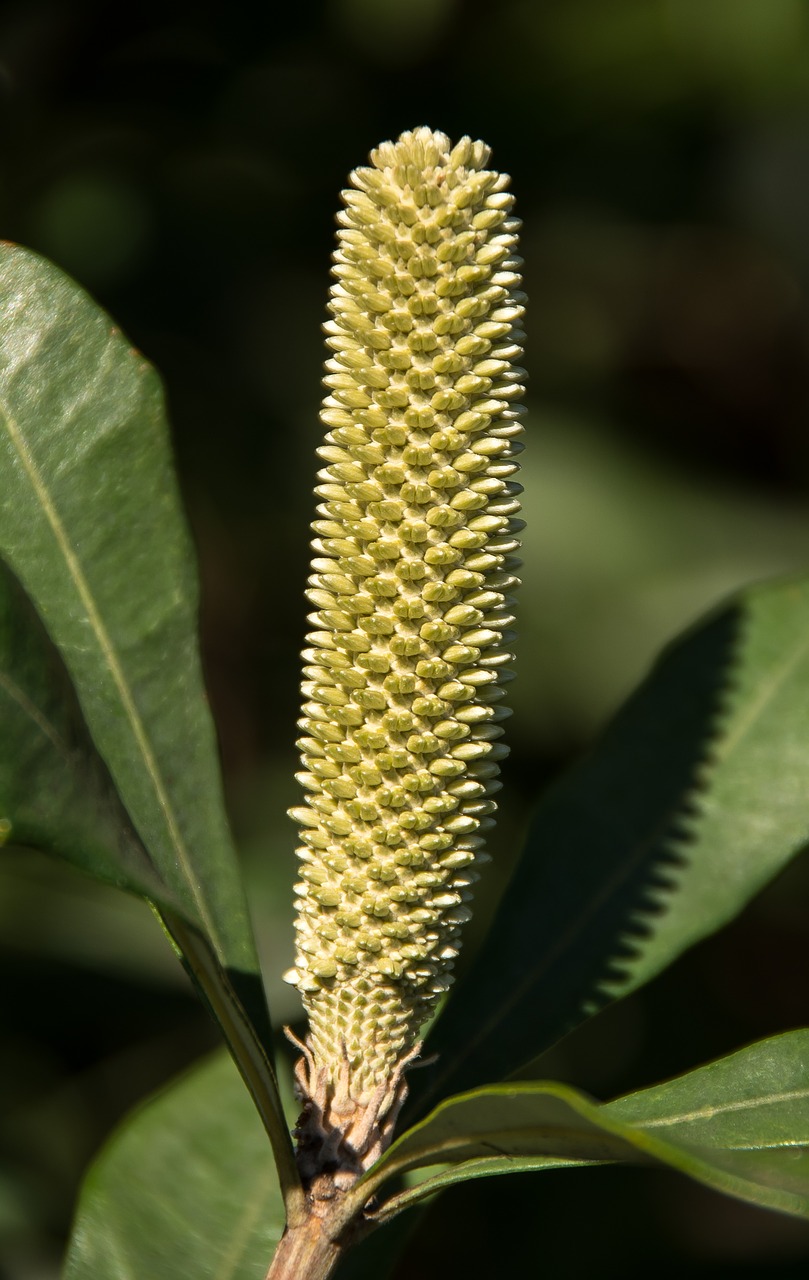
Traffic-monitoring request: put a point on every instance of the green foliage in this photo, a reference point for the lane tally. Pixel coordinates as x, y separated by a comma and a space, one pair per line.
185, 1187
694, 799
740, 1125
91, 525
75, 811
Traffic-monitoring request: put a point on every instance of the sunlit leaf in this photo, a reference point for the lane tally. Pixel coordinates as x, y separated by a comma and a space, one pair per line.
91, 525
695, 797
751, 809
739, 1125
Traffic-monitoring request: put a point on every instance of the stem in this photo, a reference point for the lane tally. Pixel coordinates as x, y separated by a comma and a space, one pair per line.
248, 1053
307, 1251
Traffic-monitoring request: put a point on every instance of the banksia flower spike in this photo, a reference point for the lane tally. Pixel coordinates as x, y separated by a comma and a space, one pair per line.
411, 578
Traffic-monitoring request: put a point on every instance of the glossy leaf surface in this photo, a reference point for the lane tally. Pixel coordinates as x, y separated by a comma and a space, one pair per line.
739, 1125
186, 1187
91, 526
696, 796
90, 523
751, 803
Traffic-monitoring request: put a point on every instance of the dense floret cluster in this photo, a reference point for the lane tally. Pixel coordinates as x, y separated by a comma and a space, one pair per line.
411, 578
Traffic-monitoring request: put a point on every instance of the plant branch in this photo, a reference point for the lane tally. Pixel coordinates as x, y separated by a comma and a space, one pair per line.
248, 1053
306, 1251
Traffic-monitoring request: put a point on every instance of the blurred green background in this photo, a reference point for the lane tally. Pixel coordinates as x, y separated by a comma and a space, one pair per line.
183, 161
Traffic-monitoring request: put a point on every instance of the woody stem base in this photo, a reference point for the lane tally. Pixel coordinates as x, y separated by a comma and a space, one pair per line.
306, 1252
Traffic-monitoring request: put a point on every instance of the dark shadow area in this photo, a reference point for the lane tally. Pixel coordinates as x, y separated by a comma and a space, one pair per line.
77, 813
595, 872
80, 1048
616, 1223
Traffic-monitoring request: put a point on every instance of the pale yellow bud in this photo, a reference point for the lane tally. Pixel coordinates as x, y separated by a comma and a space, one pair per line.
411, 582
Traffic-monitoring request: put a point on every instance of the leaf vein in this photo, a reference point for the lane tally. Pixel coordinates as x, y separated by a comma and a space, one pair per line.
28, 708
708, 1112
113, 661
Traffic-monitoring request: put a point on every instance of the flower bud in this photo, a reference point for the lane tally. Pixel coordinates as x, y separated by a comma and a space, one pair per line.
411, 586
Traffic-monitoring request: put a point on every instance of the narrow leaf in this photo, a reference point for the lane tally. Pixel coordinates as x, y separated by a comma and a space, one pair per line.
52, 779
186, 1187
751, 809
754, 1099
696, 796
91, 524
739, 1125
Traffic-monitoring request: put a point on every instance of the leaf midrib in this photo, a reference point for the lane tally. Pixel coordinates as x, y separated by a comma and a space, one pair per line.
709, 1112
113, 662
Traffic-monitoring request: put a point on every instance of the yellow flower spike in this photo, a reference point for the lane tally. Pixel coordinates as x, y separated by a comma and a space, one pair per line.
411, 583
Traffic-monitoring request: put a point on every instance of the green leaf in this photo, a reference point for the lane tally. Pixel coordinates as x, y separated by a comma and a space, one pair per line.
91, 525
696, 796
186, 1187
739, 1125
753, 1099
73, 810
751, 812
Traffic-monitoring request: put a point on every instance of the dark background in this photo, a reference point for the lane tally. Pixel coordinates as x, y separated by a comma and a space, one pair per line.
183, 163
